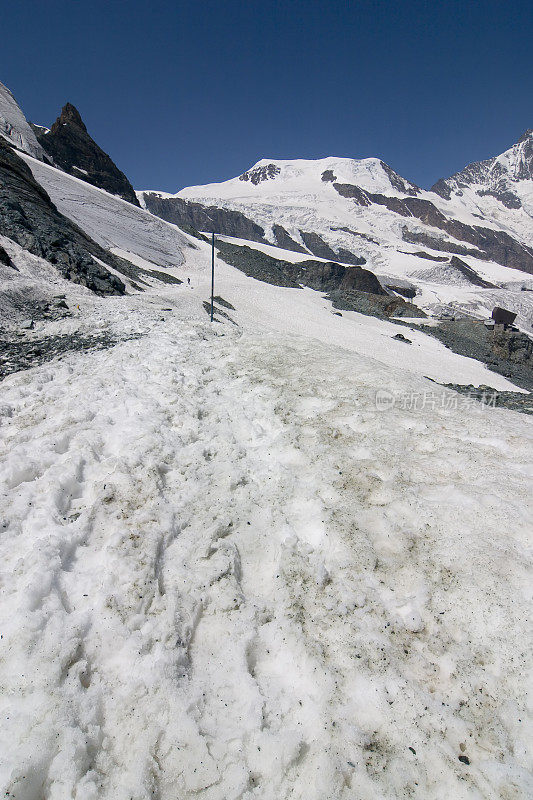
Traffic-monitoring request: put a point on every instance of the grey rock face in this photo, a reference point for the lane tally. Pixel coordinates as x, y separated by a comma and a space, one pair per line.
28, 217
324, 276
399, 183
285, 241
374, 305
437, 243
204, 218
74, 151
491, 244
509, 353
318, 247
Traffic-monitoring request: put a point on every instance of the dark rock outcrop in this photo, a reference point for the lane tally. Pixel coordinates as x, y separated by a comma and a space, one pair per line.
320, 275
470, 274
405, 291
285, 241
352, 192
374, 305
204, 218
29, 218
436, 243
399, 183
5, 259
425, 256
320, 248
260, 174
495, 245
350, 288
507, 352
73, 150
442, 189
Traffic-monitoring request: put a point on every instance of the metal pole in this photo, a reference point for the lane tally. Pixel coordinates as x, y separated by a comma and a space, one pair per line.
212, 272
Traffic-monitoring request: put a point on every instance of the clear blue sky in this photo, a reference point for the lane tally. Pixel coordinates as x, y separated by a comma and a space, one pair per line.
180, 93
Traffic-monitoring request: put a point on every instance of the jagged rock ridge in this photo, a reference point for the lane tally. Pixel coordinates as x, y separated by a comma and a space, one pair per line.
495, 177
73, 150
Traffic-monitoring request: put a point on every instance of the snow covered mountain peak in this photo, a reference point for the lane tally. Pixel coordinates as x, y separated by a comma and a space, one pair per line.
501, 177
15, 128
303, 177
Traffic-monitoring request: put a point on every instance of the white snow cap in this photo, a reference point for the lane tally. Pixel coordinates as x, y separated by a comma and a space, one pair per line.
272, 177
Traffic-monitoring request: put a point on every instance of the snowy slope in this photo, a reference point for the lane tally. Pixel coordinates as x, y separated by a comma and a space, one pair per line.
112, 222
226, 574
15, 128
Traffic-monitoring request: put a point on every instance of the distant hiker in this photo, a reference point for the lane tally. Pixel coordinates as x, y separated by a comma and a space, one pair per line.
189, 281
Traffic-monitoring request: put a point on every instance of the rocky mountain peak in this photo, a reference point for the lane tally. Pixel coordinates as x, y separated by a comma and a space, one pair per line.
74, 151
69, 116
525, 136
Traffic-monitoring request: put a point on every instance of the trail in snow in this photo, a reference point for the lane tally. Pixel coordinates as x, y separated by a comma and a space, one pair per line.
226, 574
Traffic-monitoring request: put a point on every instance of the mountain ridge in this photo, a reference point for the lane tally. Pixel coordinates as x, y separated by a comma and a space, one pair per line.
313, 206
72, 148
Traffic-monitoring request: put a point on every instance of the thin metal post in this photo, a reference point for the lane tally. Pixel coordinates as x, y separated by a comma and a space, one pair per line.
212, 272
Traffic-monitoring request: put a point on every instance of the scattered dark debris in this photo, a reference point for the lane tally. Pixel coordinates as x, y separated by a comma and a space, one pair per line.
18, 353
412, 749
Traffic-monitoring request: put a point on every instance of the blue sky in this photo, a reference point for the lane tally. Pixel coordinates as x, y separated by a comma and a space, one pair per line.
180, 93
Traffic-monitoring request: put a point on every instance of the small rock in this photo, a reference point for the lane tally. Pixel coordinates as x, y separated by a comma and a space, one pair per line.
412, 749
27, 324
464, 759
401, 338
61, 304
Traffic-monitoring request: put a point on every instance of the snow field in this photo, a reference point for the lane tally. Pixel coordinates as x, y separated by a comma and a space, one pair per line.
226, 574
